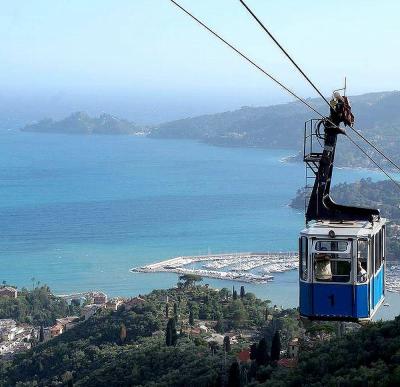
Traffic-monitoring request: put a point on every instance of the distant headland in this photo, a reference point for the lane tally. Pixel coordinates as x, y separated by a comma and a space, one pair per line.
82, 123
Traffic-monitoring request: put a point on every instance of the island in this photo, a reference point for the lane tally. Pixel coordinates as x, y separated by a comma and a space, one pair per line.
82, 123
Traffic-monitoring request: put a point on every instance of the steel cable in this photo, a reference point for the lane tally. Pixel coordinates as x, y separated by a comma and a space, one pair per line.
311, 83
274, 79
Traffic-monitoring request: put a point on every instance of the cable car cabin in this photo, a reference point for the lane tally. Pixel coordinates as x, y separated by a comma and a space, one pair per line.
341, 270
342, 249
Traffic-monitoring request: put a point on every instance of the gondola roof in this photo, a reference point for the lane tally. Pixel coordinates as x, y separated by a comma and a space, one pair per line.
356, 228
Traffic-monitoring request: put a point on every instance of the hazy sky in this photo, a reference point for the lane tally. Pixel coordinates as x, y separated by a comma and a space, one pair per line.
143, 57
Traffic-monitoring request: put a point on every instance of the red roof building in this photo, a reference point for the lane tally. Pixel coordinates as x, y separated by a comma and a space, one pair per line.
243, 356
133, 302
288, 363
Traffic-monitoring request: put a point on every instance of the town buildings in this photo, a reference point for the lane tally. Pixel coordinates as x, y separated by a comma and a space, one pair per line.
8, 291
15, 337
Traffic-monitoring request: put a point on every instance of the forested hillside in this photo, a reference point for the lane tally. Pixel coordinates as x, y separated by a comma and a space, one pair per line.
169, 338
281, 126
172, 338
369, 357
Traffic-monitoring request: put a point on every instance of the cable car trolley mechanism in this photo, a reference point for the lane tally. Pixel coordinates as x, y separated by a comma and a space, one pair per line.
342, 248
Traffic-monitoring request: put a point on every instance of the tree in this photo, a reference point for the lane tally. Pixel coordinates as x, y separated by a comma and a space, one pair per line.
171, 335
242, 292
41, 334
238, 313
175, 310
220, 327
234, 375
234, 293
67, 378
253, 351
76, 302
224, 293
227, 344
276, 347
262, 356
122, 333
235, 296
189, 280
213, 347
167, 310
191, 318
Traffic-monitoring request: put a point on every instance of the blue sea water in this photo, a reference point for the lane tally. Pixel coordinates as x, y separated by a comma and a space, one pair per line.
77, 212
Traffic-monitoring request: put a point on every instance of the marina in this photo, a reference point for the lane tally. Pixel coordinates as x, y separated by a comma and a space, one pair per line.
246, 267
392, 277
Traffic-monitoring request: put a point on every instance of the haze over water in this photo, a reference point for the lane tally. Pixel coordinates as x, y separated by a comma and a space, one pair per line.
77, 212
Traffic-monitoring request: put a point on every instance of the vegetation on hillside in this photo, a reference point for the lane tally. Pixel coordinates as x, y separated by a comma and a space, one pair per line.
281, 126
368, 357
137, 346
154, 345
37, 307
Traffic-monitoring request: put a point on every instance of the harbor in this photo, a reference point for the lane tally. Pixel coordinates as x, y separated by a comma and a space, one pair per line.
392, 282
250, 267
246, 267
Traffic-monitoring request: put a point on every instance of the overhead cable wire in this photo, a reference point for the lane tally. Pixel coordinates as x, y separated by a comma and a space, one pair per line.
262, 25
375, 163
375, 148
274, 79
283, 50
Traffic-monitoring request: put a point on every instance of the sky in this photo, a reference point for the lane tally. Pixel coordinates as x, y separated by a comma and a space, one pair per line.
147, 61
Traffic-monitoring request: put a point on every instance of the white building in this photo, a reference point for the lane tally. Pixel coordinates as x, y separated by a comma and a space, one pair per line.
91, 309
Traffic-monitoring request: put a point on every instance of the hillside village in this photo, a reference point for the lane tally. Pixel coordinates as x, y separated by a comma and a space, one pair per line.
17, 337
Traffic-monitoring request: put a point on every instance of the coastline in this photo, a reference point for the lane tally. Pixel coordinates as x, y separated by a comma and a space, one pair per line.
289, 159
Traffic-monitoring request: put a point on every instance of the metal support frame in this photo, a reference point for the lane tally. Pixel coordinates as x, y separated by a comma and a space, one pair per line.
319, 159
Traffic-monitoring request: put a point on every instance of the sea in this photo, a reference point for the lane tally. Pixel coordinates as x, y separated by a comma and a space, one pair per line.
78, 212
